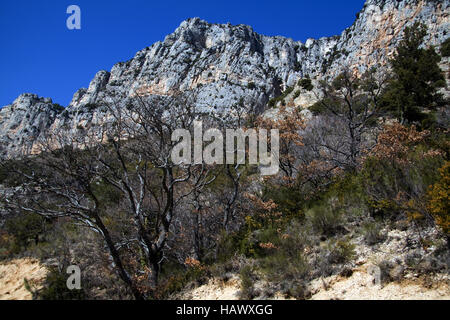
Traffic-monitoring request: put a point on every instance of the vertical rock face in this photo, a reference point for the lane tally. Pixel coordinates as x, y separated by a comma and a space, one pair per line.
24, 121
371, 40
228, 64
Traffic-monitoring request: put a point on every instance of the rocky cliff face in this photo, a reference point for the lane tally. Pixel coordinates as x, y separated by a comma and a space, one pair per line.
226, 65
24, 121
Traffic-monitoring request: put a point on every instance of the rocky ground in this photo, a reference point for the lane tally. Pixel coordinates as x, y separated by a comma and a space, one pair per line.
397, 268
12, 275
359, 286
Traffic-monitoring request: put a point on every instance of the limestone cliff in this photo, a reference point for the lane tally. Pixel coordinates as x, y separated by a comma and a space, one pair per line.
226, 65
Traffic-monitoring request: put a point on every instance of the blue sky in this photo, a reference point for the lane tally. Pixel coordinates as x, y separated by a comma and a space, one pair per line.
40, 55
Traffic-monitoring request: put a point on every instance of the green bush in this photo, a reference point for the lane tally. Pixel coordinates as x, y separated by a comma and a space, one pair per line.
285, 262
289, 200
25, 229
384, 180
318, 108
273, 102
174, 277
324, 219
250, 245
285, 266
247, 276
55, 288
439, 200
372, 232
340, 251
306, 84
230, 244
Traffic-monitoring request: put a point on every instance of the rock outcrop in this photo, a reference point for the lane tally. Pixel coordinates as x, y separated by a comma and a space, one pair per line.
24, 121
226, 65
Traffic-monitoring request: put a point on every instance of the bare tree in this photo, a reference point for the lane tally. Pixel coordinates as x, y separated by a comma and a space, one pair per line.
60, 182
349, 107
131, 155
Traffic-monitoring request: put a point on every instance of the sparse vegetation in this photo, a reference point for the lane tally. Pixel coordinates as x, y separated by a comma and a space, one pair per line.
280, 99
366, 164
306, 84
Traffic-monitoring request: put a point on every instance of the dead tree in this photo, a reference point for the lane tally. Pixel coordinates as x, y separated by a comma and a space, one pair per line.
349, 107
131, 153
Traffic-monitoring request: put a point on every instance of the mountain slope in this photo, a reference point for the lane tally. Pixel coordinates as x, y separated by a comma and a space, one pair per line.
228, 64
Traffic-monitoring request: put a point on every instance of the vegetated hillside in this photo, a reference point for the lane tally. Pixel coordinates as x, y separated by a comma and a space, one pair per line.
361, 197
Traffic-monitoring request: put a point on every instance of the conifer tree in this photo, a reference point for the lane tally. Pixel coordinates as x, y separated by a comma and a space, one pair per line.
417, 78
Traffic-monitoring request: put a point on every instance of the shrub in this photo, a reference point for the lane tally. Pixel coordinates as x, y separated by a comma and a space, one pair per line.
348, 194
285, 266
439, 199
289, 200
25, 229
55, 288
229, 244
323, 219
170, 286
174, 277
285, 261
372, 232
260, 243
247, 277
341, 251
273, 102
7, 245
397, 178
318, 108
306, 84
296, 289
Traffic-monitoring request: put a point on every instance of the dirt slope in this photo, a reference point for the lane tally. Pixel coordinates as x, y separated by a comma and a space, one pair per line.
12, 274
360, 286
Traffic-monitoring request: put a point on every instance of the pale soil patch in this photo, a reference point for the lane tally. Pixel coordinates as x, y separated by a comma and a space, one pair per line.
12, 274
360, 286
215, 290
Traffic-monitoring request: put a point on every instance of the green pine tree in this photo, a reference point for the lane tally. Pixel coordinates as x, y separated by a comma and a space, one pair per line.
417, 78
